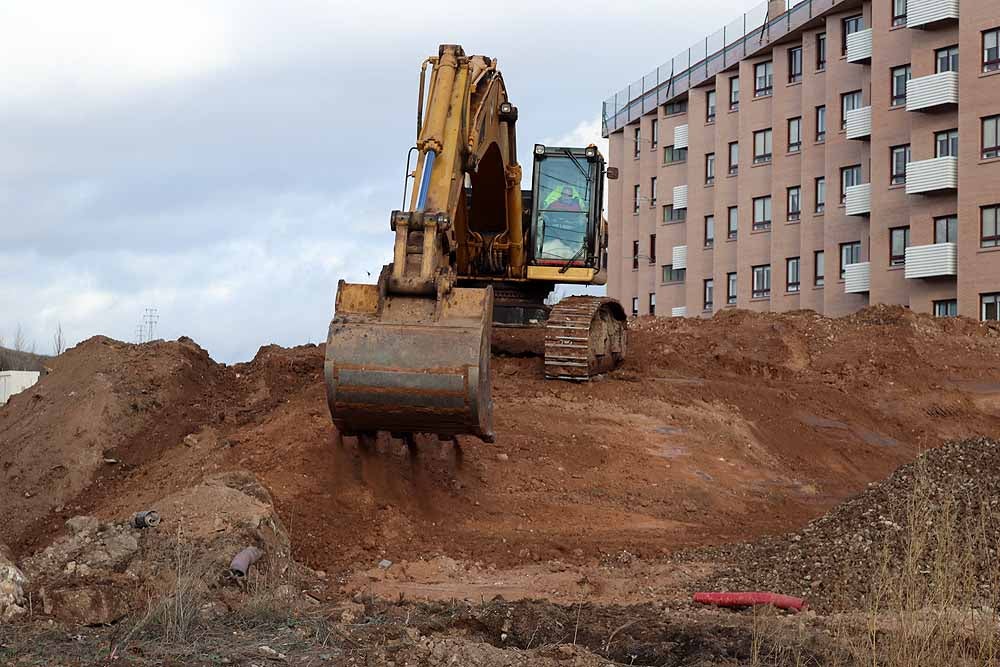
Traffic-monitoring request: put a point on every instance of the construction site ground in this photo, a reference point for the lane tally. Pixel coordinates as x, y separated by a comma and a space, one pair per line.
577, 538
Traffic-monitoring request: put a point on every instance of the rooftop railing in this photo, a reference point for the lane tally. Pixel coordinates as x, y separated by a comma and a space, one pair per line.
706, 58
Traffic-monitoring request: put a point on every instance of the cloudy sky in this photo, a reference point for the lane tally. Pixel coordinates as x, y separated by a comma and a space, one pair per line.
227, 162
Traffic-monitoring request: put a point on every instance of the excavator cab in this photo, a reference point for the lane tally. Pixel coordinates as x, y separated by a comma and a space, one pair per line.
567, 194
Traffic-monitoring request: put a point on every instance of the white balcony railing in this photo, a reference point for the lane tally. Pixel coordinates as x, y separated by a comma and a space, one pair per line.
859, 46
925, 13
679, 311
680, 196
859, 199
940, 173
858, 278
930, 92
859, 123
681, 136
680, 256
928, 261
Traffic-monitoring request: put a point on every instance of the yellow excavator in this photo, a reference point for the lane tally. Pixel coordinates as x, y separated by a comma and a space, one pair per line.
411, 354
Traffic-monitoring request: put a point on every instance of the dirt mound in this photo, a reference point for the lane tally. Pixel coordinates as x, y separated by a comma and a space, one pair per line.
949, 493
714, 431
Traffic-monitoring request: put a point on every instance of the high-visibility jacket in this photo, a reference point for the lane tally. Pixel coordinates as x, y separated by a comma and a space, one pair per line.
558, 192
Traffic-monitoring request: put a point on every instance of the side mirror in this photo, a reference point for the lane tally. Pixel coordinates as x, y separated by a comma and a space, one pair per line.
612, 173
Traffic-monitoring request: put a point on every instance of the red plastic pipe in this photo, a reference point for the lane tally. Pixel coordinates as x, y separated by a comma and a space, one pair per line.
750, 599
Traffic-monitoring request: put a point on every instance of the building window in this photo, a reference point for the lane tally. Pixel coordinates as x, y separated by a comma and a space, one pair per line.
820, 194
898, 12
654, 131
733, 223
795, 64
635, 255
652, 303
792, 274
762, 146
652, 191
652, 248
989, 307
850, 26
635, 306
819, 271
946, 308
899, 241
709, 168
672, 155
763, 75
672, 275
707, 300
946, 143
946, 229
849, 102
635, 199
734, 93
710, 106
794, 135
730, 288
989, 229
821, 51
899, 156
671, 214
677, 107
821, 123
899, 77
849, 176
762, 212
850, 253
946, 59
709, 231
991, 50
991, 136
761, 281
794, 202
734, 157
637, 143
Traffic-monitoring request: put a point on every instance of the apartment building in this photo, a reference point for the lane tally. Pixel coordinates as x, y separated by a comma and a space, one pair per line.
821, 154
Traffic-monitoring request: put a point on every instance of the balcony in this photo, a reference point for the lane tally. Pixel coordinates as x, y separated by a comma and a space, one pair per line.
927, 13
679, 311
859, 199
935, 175
859, 46
680, 257
928, 93
680, 196
857, 278
929, 261
681, 136
859, 123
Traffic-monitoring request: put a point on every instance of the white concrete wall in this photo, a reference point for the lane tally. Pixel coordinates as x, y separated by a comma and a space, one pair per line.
13, 382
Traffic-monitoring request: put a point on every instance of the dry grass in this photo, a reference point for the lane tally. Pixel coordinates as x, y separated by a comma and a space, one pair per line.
934, 591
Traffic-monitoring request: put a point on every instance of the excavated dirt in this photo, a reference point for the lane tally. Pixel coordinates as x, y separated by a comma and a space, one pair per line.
715, 431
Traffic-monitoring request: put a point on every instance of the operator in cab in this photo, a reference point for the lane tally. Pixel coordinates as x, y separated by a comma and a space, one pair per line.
564, 212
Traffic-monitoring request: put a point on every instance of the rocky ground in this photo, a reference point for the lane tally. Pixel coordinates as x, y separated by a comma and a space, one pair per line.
602, 505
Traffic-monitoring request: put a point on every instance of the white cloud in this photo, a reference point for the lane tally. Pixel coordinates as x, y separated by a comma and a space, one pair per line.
227, 162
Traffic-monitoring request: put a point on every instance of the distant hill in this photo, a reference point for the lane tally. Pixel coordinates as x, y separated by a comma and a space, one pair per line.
12, 360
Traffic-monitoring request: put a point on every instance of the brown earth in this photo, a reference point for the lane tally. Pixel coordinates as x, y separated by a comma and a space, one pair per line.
715, 431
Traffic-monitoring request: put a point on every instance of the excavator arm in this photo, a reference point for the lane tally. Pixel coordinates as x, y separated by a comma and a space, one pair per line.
412, 353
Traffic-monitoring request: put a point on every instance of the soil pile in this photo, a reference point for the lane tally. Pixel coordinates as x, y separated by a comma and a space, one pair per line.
948, 500
714, 431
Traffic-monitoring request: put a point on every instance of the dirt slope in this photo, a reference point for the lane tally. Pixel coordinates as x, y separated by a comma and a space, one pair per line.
715, 431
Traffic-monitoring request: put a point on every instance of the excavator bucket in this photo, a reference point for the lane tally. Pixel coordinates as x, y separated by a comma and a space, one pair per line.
410, 363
